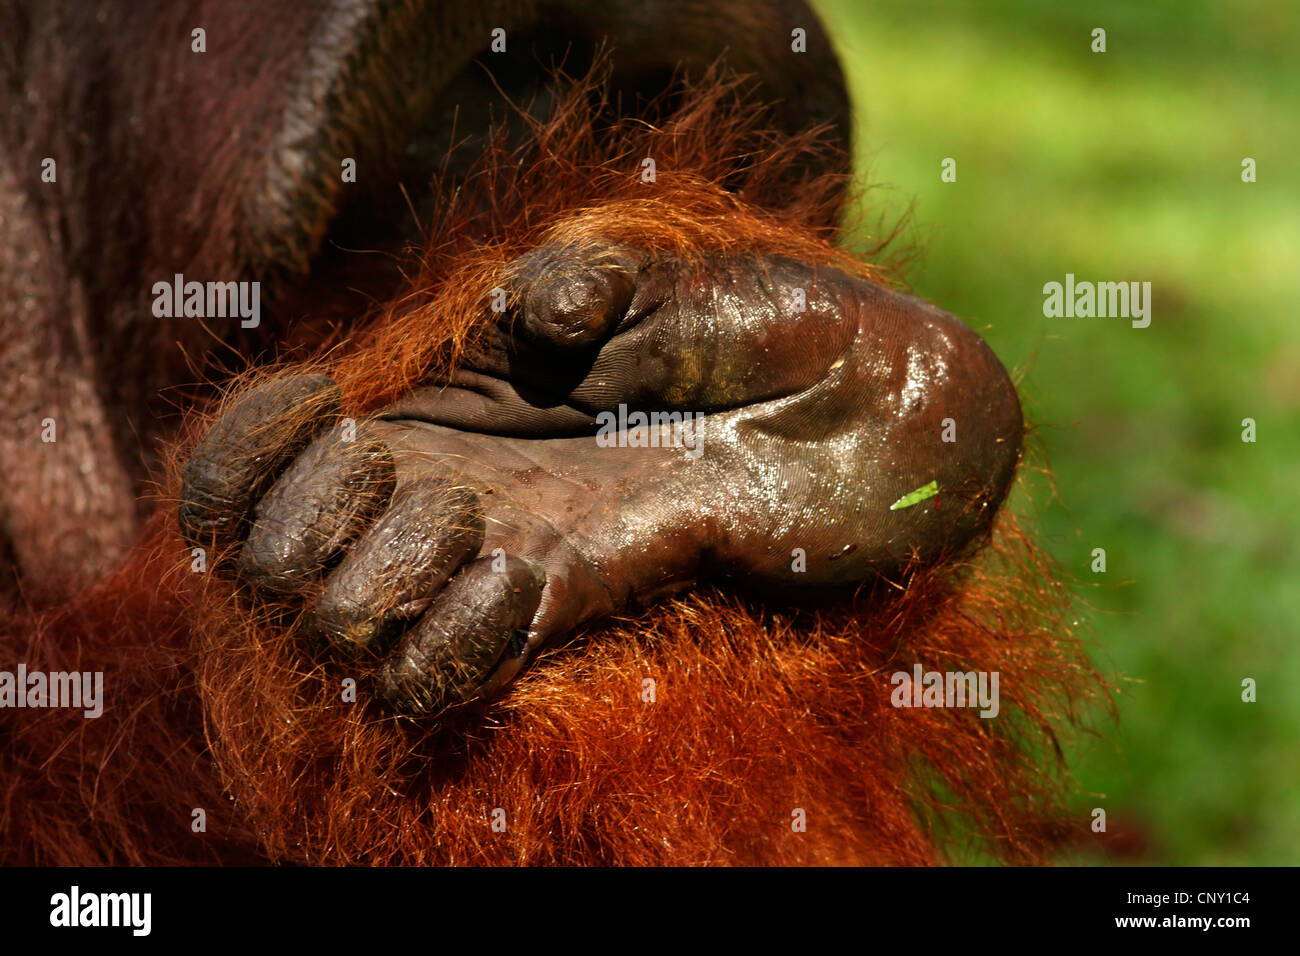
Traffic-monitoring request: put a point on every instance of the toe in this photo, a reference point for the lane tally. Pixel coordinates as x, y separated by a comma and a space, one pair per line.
449, 656
321, 503
250, 444
431, 528
571, 296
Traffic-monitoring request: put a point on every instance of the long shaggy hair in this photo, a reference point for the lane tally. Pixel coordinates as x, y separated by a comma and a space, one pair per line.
711, 729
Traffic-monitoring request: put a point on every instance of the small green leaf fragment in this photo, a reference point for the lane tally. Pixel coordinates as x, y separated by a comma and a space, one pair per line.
916, 497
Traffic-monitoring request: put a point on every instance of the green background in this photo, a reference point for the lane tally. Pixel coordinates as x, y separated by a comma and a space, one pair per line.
1126, 165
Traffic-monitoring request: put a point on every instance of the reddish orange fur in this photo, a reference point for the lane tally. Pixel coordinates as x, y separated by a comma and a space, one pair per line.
759, 709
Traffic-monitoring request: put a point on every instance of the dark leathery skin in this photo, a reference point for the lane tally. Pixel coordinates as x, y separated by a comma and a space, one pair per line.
810, 425
430, 528
321, 503
454, 649
246, 448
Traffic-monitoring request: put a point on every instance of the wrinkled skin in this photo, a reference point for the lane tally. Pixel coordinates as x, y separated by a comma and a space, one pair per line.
474, 521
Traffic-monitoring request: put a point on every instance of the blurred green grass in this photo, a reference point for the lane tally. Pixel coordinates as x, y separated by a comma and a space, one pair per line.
1127, 166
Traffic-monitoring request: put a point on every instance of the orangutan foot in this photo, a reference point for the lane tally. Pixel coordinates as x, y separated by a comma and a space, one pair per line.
635, 426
